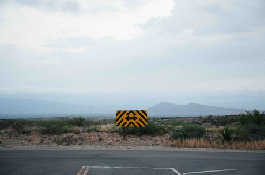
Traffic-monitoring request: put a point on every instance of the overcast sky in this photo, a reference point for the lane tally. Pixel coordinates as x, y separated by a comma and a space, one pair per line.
134, 52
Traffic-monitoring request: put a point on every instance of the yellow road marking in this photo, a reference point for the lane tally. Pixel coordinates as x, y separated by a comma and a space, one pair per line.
80, 171
86, 171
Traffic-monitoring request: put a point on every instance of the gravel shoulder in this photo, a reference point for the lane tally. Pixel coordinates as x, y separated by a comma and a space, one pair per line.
148, 148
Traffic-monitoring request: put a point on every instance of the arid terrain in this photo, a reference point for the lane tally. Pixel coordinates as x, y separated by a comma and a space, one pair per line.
102, 132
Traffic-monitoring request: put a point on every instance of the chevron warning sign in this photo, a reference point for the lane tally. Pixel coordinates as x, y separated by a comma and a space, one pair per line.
131, 118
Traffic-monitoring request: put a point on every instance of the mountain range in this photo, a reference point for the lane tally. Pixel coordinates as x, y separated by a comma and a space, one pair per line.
41, 108
191, 109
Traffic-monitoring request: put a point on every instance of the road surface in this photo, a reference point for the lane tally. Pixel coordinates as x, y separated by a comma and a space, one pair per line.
131, 162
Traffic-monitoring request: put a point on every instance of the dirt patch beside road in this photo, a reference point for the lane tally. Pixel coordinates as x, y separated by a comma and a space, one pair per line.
84, 139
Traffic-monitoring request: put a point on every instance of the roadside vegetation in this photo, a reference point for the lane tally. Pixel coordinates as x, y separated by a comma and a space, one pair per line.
245, 131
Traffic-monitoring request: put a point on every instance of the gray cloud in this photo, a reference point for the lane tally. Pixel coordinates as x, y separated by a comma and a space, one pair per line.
242, 16
73, 6
211, 19
49, 5
204, 54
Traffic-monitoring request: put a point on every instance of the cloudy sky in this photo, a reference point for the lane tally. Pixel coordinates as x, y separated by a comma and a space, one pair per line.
134, 52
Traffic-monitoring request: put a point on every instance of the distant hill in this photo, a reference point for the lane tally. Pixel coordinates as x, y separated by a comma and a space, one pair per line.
191, 109
23, 108
27, 106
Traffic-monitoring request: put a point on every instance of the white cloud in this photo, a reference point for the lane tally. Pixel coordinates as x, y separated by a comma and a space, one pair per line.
31, 28
189, 31
75, 50
130, 47
37, 90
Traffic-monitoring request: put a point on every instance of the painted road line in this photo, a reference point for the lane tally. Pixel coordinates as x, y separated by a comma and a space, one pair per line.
209, 171
172, 169
175, 171
108, 167
80, 171
87, 169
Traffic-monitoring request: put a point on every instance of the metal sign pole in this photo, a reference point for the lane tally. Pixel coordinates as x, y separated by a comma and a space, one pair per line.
140, 132
123, 133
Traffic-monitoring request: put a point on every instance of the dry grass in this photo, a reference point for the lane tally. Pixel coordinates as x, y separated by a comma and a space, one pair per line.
201, 143
106, 127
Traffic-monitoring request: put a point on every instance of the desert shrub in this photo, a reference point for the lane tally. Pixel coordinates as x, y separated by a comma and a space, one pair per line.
4, 124
54, 127
252, 126
57, 140
225, 120
211, 119
227, 133
241, 133
249, 132
77, 121
26, 131
174, 122
189, 131
18, 126
88, 122
92, 128
151, 129
254, 117
114, 129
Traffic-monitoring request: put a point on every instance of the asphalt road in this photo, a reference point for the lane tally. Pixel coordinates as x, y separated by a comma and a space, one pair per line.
130, 162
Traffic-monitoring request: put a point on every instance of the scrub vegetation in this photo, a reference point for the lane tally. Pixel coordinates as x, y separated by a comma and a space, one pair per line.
245, 131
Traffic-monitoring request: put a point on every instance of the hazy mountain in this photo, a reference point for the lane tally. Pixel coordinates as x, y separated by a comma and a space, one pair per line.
25, 106
191, 109
41, 108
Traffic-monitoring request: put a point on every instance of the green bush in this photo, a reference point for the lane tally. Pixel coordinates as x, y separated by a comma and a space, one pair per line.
241, 133
189, 131
151, 129
18, 126
5, 123
249, 132
114, 129
78, 121
93, 128
174, 122
254, 117
54, 127
252, 126
88, 123
226, 133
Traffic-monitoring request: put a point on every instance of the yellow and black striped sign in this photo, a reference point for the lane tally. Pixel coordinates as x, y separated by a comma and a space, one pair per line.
131, 118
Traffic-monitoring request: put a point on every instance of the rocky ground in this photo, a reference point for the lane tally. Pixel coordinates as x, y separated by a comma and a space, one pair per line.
83, 139
106, 136
103, 137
